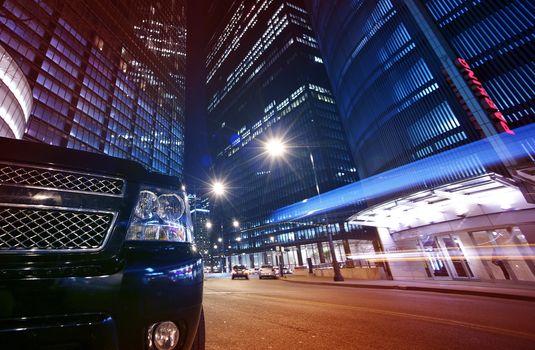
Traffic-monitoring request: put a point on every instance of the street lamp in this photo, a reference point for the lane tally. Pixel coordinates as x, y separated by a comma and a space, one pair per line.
218, 188
276, 148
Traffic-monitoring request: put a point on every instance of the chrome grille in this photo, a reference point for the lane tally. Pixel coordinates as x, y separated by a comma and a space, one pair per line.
61, 180
52, 230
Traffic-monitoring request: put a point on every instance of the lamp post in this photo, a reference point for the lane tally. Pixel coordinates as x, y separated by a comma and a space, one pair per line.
276, 148
236, 225
219, 190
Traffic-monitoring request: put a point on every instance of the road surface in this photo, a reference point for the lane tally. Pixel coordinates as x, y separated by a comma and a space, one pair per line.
274, 314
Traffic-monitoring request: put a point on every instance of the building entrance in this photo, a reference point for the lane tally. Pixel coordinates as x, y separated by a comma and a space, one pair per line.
445, 258
459, 266
435, 264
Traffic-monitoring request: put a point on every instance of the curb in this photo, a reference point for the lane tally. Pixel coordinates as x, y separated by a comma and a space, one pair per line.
425, 289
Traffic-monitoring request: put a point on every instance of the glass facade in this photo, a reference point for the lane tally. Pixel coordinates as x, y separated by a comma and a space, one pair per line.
266, 80
15, 97
421, 84
400, 87
100, 83
392, 91
495, 38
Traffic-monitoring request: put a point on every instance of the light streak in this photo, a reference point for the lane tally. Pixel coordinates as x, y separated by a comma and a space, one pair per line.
508, 252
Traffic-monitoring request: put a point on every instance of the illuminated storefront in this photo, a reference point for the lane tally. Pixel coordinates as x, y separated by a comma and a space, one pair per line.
473, 229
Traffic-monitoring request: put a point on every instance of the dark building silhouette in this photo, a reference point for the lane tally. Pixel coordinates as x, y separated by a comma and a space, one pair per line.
266, 80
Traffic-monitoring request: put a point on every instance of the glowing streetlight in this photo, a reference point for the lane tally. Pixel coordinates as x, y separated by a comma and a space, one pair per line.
235, 223
215, 246
208, 225
238, 239
218, 188
275, 147
220, 239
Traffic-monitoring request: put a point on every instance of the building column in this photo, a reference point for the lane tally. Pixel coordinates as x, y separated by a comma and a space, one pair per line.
299, 256
384, 240
528, 230
347, 251
320, 251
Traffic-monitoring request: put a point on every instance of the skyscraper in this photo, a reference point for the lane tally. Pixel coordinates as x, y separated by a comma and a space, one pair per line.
106, 77
437, 100
396, 75
266, 81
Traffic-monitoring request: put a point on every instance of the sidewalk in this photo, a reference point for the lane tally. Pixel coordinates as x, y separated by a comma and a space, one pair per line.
524, 292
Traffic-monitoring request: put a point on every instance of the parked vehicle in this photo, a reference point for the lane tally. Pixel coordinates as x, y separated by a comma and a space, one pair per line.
96, 253
267, 271
240, 271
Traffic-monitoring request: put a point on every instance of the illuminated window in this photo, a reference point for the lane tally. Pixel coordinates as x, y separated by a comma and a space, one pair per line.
98, 42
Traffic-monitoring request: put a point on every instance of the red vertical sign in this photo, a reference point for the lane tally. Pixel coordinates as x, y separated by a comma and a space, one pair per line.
484, 98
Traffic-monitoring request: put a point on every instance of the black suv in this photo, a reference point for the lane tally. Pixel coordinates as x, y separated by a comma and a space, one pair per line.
95, 253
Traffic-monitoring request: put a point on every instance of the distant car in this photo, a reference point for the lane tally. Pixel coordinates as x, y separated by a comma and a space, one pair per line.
240, 271
267, 271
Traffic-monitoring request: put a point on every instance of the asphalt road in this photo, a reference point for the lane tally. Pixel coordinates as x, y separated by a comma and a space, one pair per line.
274, 314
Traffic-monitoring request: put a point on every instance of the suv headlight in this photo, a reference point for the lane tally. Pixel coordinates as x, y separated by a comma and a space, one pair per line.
160, 215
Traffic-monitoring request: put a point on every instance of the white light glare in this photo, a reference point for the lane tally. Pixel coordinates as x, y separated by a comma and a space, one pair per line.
218, 188
275, 148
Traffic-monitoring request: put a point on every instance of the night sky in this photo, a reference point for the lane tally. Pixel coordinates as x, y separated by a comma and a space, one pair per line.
197, 159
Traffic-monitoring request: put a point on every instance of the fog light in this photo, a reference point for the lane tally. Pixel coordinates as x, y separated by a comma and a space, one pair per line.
163, 335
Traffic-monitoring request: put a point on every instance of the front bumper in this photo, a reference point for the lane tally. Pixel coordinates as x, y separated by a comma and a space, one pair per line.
157, 282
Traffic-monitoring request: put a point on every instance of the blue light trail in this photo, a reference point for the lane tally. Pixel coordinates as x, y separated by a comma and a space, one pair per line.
425, 172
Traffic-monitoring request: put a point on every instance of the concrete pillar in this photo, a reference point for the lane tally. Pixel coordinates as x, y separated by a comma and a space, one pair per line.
320, 251
347, 249
385, 243
299, 256
528, 230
